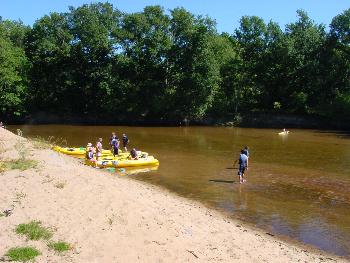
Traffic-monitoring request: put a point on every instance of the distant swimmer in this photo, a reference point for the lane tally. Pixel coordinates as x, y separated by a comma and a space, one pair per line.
283, 132
243, 165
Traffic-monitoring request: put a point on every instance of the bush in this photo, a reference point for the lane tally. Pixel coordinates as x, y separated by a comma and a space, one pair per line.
22, 253
33, 231
60, 246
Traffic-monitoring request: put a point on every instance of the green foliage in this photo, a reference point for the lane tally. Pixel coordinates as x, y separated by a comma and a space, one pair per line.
59, 246
22, 254
277, 105
97, 63
13, 69
33, 231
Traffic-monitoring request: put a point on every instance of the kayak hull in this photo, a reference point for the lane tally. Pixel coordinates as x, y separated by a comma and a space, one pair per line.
122, 163
76, 151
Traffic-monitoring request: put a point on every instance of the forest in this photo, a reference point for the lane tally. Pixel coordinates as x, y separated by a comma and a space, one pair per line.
96, 62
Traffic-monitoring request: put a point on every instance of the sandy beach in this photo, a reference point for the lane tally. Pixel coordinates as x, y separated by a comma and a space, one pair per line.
110, 218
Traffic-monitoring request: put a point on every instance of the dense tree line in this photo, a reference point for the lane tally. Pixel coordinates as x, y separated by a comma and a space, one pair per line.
98, 62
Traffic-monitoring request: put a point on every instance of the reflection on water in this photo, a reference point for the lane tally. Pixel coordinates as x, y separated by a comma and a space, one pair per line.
298, 185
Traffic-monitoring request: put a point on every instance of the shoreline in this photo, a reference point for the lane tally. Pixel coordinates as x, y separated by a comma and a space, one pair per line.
118, 219
248, 120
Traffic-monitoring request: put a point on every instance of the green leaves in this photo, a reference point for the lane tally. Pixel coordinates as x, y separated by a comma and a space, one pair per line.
97, 63
13, 69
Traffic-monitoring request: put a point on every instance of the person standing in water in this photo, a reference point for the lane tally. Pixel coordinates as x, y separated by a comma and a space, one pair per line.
98, 148
112, 140
243, 165
115, 147
125, 140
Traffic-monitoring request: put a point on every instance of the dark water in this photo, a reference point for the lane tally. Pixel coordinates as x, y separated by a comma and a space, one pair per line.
297, 185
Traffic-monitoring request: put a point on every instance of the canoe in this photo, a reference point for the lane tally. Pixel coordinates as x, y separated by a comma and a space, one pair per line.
103, 163
283, 133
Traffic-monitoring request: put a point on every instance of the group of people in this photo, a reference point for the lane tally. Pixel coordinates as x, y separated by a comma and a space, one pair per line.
114, 143
243, 161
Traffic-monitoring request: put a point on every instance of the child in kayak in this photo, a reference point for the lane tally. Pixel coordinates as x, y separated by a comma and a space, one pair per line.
133, 154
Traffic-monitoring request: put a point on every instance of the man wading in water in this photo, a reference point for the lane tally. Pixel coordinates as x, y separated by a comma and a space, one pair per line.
243, 165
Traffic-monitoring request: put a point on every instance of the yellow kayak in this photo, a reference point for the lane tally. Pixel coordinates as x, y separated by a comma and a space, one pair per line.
76, 151
120, 163
81, 152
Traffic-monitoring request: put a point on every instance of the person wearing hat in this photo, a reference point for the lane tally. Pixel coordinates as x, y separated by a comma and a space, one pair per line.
90, 154
89, 151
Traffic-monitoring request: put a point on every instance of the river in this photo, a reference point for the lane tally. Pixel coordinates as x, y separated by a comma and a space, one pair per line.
298, 186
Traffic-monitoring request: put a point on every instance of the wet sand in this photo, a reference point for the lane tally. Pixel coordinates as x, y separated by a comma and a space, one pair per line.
110, 218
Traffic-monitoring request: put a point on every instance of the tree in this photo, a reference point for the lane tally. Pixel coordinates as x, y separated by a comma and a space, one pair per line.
146, 43
251, 36
195, 71
13, 70
48, 48
305, 40
94, 45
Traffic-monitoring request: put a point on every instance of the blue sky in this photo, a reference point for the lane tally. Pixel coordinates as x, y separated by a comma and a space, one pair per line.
226, 12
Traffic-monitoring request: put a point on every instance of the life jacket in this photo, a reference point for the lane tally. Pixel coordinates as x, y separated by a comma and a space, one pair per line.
125, 140
89, 155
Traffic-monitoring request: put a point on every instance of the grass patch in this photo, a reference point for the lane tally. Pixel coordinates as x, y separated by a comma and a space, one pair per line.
34, 231
2, 214
22, 253
20, 164
59, 246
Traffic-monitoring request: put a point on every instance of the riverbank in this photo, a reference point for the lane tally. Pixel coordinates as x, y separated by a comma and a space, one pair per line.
247, 120
108, 218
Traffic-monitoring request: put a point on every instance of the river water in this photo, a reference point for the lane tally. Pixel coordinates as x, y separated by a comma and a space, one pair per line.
297, 186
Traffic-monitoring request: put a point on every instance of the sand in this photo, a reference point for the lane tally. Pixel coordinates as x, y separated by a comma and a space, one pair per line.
110, 218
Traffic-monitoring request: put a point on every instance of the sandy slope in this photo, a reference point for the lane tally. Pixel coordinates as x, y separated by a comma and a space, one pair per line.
116, 219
